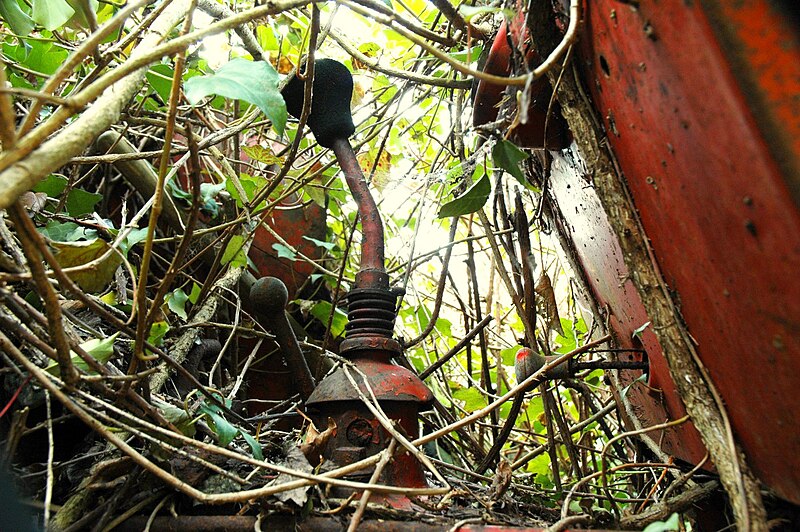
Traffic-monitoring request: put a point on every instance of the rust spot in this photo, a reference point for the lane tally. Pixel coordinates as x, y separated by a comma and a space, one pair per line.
612, 125
359, 432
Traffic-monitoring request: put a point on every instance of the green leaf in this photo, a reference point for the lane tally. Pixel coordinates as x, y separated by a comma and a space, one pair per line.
507, 156
317, 195
322, 311
67, 232
444, 327
509, 355
179, 417
95, 274
160, 78
79, 19
472, 397
673, 523
52, 14
234, 253
224, 430
469, 55
194, 295
157, 332
18, 20
176, 301
569, 340
535, 408
52, 185
284, 252
45, 57
266, 38
262, 154
134, 237
255, 448
370, 49
255, 82
423, 316
327, 245
79, 202
249, 185
470, 201
177, 192
99, 349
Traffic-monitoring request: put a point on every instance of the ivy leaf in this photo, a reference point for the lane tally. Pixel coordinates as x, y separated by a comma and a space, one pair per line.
327, 245
266, 38
221, 427
176, 301
52, 14
134, 237
322, 311
472, 397
52, 185
255, 448
317, 195
470, 201
95, 276
234, 253
160, 78
194, 295
673, 523
99, 349
44, 56
79, 202
177, 416
158, 330
507, 156
284, 252
67, 232
261, 154
16, 18
255, 82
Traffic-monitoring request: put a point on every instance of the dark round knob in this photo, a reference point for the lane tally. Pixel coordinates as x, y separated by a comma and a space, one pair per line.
330, 117
269, 295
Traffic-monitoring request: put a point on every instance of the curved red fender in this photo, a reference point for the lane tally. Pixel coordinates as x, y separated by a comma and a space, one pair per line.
489, 95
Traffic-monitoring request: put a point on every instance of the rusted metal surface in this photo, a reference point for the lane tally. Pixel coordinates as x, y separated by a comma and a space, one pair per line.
388, 381
586, 224
761, 42
510, 40
293, 221
371, 312
269, 296
705, 129
372, 259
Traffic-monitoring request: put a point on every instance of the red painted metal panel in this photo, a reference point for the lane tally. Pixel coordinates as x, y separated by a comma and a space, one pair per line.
712, 198
600, 256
